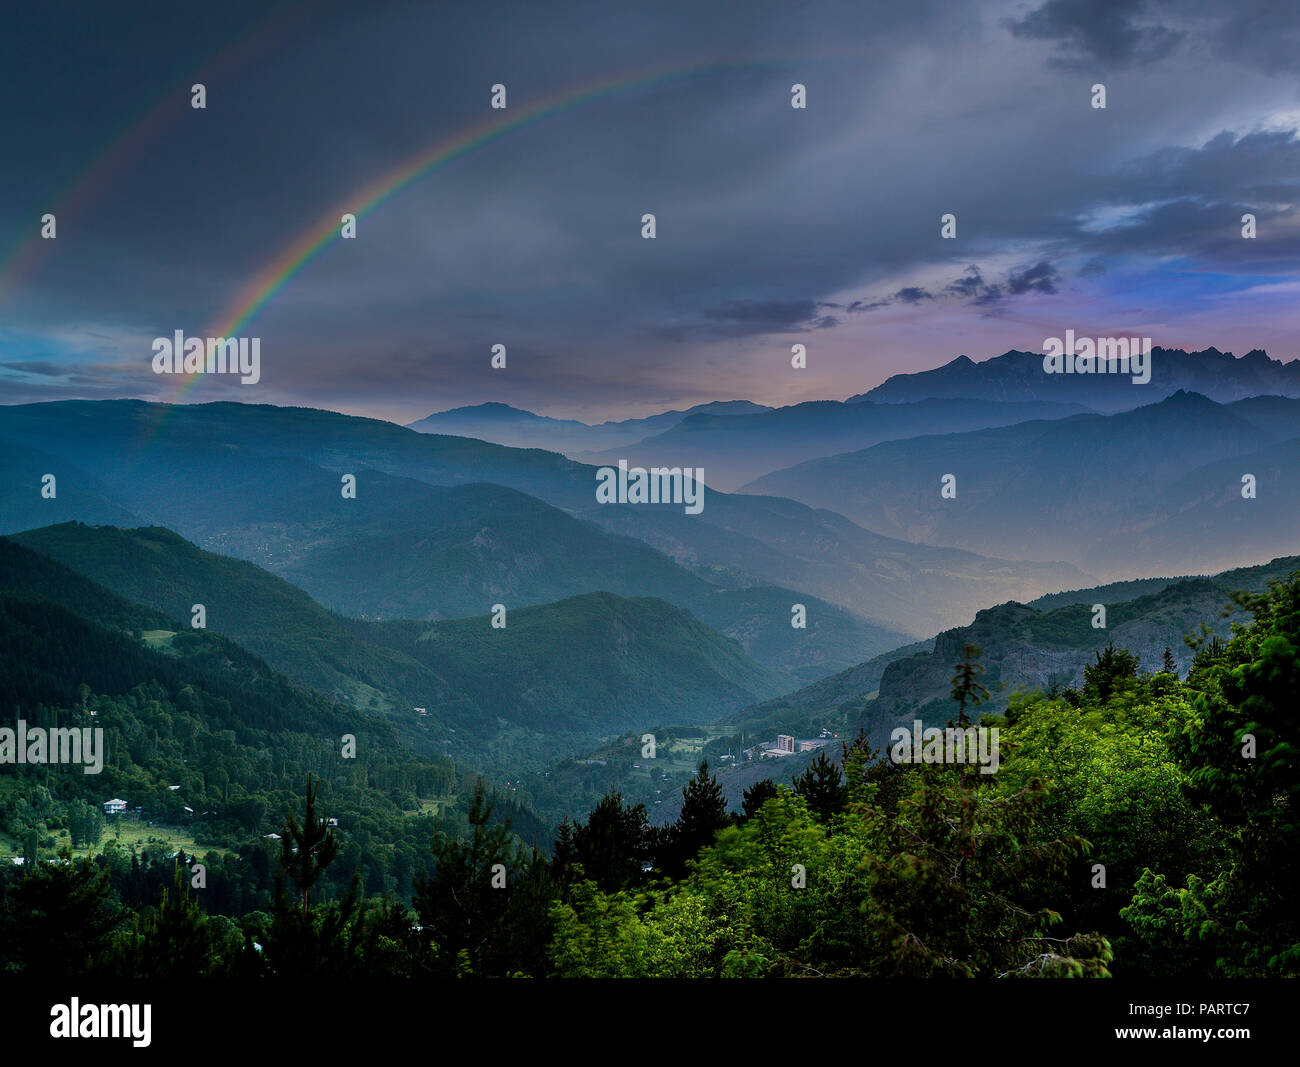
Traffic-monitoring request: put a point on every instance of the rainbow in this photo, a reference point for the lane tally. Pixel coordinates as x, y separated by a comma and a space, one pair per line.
295, 256
72, 199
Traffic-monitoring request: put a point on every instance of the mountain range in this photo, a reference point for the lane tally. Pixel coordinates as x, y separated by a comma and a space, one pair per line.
265, 484
1018, 376
505, 425
1043, 645
735, 449
365, 566
1158, 488
557, 676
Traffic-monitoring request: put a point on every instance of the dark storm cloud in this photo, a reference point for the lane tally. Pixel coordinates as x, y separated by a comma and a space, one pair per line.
770, 220
1040, 278
42, 368
988, 296
91, 381
911, 294
968, 285
769, 315
1261, 34
1190, 201
1262, 165
1088, 32
972, 287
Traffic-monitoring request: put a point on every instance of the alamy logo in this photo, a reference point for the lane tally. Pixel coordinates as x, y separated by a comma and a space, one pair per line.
35, 744
102, 1020
1105, 355
179, 354
658, 485
974, 744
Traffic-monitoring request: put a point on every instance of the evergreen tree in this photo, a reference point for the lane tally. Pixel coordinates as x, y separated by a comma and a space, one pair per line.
303, 941
85, 824
306, 850
1168, 665
565, 853
942, 884
175, 942
965, 685
756, 796
967, 690
703, 814
872, 779
59, 918
610, 846
1113, 668
1240, 756
459, 909
822, 786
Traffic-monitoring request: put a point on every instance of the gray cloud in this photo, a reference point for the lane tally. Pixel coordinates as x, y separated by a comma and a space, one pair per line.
912, 295
969, 285
1089, 32
770, 220
1040, 278
43, 368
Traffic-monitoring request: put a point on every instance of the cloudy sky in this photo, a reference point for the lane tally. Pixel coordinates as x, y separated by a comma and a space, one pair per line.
775, 226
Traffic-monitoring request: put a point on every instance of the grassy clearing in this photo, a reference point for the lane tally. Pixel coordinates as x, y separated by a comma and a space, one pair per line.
126, 832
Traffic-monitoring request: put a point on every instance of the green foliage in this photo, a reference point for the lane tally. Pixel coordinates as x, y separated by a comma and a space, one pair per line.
85, 824
482, 910
307, 849
931, 891
756, 796
1113, 668
1240, 751
1184, 791
823, 787
966, 690
177, 940
57, 920
703, 814
610, 847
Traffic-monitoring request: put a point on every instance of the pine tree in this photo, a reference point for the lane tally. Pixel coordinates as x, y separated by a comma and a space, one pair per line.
459, 909
611, 845
565, 853
59, 918
965, 688
1168, 665
1114, 666
943, 881
321, 941
306, 850
175, 942
704, 813
756, 796
822, 785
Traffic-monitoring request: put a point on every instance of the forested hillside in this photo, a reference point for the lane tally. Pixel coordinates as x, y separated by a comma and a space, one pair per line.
872, 867
201, 737
503, 695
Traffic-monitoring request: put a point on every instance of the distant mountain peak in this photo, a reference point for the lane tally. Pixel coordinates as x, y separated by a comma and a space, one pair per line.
1018, 376
493, 408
